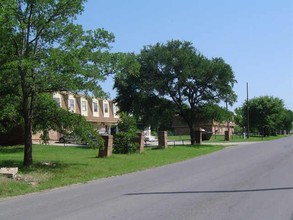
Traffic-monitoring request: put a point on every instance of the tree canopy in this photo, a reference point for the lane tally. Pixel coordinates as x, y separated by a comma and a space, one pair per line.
176, 78
43, 50
267, 115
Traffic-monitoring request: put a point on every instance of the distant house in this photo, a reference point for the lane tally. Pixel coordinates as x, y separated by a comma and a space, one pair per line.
102, 113
181, 128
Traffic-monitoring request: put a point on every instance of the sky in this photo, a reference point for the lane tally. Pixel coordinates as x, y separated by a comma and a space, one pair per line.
255, 37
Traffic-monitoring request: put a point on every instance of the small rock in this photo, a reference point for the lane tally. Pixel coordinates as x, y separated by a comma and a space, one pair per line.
48, 164
9, 171
34, 183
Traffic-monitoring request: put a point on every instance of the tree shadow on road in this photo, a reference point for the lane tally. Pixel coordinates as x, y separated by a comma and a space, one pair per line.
210, 191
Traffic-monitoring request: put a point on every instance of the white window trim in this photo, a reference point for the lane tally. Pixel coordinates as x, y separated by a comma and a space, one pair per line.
82, 111
106, 114
95, 114
57, 96
71, 97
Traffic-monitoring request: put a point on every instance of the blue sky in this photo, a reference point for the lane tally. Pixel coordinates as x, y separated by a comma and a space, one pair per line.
254, 36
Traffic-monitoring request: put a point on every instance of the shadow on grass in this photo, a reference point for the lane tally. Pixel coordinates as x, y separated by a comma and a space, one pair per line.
186, 145
44, 167
11, 163
202, 146
86, 147
11, 150
52, 166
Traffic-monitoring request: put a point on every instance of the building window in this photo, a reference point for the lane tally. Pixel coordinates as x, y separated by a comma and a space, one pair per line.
71, 105
95, 107
58, 101
106, 107
83, 106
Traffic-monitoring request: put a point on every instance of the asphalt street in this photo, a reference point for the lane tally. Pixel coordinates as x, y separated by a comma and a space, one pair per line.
245, 182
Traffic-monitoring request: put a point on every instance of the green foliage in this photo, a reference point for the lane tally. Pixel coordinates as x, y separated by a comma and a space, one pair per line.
286, 120
43, 50
9, 112
50, 116
238, 129
175, 78
134, 98
267, 115
211, 112
177, 70
10, 99
126, 141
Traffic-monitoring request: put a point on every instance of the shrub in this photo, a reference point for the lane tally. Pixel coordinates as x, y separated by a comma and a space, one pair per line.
125, 141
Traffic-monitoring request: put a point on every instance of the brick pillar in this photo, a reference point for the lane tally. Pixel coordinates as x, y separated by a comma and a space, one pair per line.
198, 137
106, 151
163, 142
140, 141
227, 136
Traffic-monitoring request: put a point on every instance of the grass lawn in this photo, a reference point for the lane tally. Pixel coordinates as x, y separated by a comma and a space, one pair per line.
233, 138
56, 166
237, 138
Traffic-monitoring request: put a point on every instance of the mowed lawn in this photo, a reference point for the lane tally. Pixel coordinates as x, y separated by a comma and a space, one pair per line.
56, 166
233, 138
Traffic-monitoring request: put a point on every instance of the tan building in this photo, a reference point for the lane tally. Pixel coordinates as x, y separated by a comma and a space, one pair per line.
102, 113
181, 128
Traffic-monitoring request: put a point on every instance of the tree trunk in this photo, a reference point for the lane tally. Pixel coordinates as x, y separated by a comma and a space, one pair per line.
27, 105
192, 134
28, 158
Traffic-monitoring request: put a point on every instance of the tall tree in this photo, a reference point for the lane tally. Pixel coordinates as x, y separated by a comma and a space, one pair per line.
178, 73
267, 115
42, 50
286, 120
148, 109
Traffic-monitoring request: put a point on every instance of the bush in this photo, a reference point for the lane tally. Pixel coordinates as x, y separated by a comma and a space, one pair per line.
125, 141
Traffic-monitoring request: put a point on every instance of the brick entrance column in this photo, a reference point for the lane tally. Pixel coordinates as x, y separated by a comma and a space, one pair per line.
140, 142
163, 142
106, 151
227, 136
198, 137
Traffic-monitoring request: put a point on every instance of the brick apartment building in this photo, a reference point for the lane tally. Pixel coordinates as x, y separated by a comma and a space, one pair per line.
102, 113
181, 128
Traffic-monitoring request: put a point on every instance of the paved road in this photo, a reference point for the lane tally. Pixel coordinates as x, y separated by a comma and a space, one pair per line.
245, 182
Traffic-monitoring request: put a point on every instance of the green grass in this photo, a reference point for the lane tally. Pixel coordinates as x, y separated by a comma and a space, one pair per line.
56, 166
237, 138
233, 138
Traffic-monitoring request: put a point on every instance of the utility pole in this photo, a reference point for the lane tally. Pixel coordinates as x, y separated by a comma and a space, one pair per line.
247, 116
227, 133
